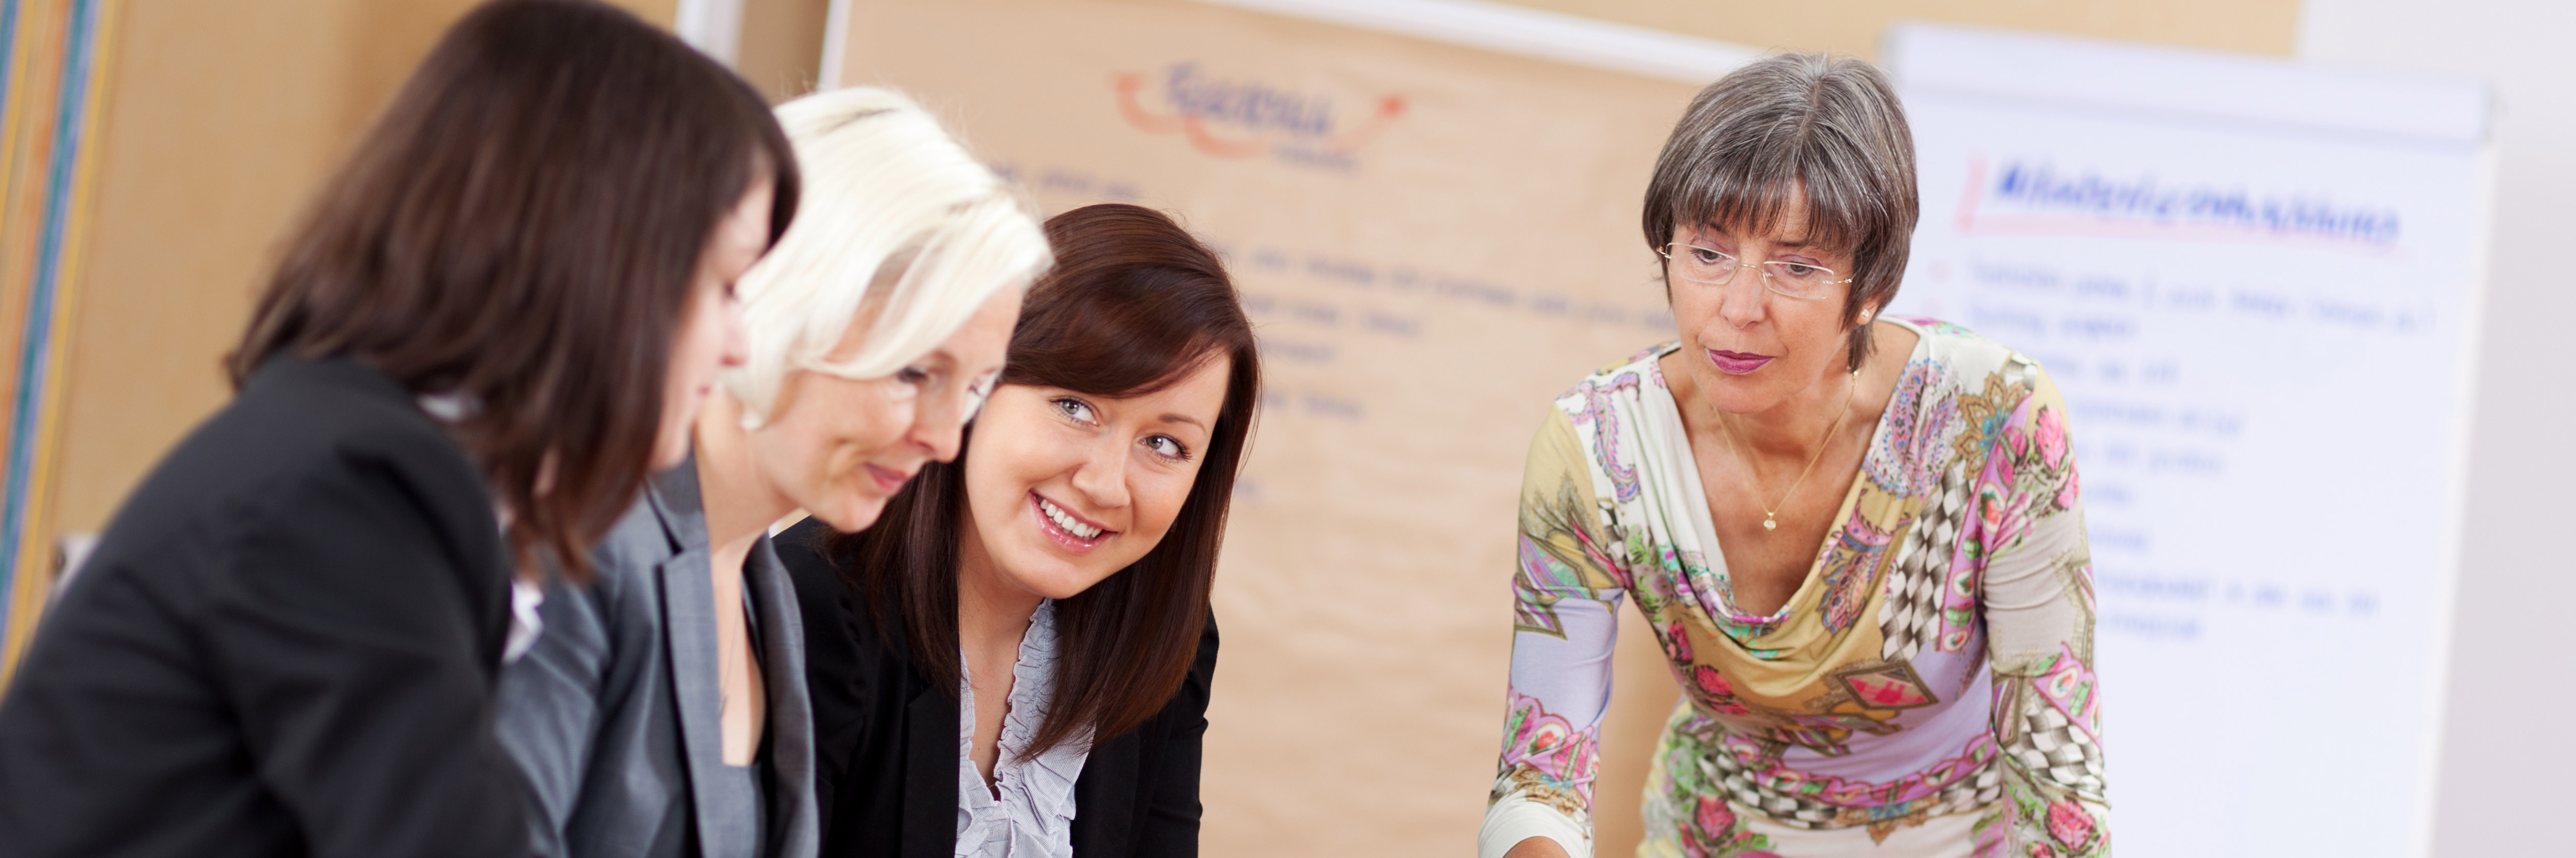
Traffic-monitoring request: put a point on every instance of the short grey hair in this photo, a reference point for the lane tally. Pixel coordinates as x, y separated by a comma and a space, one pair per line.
1752, 140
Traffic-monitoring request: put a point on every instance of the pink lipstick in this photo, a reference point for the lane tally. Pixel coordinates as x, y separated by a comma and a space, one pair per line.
1059, 525
1737, 363
887, 479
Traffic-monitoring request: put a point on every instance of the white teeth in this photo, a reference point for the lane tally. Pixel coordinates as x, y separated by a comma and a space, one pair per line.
1069, 523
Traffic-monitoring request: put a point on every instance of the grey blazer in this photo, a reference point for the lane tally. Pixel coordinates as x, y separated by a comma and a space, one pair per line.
613, 712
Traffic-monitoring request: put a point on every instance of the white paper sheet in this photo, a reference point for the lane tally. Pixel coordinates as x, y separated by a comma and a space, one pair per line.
2257, 283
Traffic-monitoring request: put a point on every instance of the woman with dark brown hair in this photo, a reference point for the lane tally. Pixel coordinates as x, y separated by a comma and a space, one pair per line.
1025, 632
495, 321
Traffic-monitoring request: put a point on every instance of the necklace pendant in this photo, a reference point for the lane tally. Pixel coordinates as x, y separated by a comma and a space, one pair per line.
1768, 524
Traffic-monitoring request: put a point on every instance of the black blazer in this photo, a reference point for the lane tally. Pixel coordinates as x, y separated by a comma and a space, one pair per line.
284, 645
886, 739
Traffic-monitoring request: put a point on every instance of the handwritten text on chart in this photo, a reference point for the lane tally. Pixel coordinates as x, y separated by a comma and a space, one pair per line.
2031, 193
2176, 607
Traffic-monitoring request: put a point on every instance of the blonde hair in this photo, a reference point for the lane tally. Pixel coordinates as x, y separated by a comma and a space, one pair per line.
897, 222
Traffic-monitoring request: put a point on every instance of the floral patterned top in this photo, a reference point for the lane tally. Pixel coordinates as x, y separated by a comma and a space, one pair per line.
1928, 690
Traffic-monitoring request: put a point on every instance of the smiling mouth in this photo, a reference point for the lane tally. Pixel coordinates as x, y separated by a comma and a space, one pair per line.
1068, 529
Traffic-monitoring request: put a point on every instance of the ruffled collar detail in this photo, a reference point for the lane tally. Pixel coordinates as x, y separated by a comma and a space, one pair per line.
1033, 818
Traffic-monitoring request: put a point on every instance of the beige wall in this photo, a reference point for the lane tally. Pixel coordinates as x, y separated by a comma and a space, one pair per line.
221, 119
782, 45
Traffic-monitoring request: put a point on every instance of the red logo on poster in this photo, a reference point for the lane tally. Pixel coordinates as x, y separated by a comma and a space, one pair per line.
1245, 119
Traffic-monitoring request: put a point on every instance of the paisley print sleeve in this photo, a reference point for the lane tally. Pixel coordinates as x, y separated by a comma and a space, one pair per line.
2037, 597
1566, 592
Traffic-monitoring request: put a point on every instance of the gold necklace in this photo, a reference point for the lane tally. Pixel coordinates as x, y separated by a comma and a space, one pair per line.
1770, 514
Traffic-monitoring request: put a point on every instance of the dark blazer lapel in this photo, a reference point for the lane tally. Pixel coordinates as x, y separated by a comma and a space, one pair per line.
797, 823
930, 775
688, 617
1105, 796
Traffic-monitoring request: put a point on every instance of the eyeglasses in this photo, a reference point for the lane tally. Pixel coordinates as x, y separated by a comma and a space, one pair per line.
1714, 268
974, 393
932, 388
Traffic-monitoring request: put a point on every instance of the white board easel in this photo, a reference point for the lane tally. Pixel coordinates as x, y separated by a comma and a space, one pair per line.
2258, 283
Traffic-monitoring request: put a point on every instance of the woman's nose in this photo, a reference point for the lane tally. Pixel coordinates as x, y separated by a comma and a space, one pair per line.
939, 419
1102, 478
1743, 299
939, 429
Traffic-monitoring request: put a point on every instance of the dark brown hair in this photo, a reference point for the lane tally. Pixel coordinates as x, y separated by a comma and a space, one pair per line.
522, 227
1133, 305
1832, 124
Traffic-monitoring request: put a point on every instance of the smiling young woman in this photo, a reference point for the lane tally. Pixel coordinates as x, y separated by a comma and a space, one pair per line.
1026, 632
1866, 565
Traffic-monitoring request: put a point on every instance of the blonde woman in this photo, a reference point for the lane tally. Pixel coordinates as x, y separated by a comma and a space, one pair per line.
664, 712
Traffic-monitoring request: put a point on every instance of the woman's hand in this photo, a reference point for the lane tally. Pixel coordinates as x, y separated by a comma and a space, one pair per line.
1536, 847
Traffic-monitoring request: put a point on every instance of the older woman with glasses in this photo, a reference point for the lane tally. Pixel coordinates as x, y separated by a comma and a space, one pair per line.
1857, 538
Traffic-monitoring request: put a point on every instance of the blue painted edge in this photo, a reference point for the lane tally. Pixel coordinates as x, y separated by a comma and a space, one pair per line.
8, 49
35, 345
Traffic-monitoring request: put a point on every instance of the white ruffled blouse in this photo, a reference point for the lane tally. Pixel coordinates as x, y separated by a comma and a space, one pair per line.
1033, 818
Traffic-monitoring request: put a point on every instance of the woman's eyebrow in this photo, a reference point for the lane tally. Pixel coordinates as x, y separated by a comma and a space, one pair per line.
1183, 418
